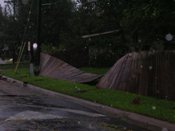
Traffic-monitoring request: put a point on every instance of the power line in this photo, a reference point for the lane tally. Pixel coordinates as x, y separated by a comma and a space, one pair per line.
99, 34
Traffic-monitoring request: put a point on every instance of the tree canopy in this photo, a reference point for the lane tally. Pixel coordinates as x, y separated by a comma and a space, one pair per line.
142, 25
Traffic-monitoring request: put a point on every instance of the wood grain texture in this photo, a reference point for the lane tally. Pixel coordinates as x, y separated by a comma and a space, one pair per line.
58, 69
146, 73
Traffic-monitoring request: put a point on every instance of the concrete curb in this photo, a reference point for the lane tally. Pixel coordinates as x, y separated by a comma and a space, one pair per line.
131, 118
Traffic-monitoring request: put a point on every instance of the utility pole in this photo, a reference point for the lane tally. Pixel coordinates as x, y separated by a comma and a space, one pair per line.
38, 40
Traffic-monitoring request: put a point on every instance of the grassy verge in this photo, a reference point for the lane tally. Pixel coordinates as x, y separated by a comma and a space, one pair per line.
160, 109
95, 70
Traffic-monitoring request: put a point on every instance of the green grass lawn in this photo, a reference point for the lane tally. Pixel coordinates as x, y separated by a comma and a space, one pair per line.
160, 109
95, 70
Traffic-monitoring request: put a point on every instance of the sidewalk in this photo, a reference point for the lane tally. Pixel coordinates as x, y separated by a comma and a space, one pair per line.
132, 118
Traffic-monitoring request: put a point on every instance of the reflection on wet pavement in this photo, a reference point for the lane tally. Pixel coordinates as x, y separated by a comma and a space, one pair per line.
36, 112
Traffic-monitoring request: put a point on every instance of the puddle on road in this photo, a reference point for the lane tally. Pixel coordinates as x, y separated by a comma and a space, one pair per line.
32, 115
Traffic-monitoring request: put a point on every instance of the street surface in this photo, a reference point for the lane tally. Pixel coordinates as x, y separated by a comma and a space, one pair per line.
24, 110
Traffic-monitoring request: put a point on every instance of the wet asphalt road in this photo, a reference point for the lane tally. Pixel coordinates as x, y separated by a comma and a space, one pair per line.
24, 110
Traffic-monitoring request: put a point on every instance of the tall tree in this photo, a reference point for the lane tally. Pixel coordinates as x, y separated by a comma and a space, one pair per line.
148, 21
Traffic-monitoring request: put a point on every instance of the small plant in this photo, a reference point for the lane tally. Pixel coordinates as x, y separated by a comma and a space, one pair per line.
136, 101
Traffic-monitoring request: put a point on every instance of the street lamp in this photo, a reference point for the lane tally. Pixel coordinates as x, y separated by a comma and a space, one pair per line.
38, 41
30, 48
35, 46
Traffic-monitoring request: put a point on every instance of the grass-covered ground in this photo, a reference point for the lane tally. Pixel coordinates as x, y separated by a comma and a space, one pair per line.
160, 109
95, 70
